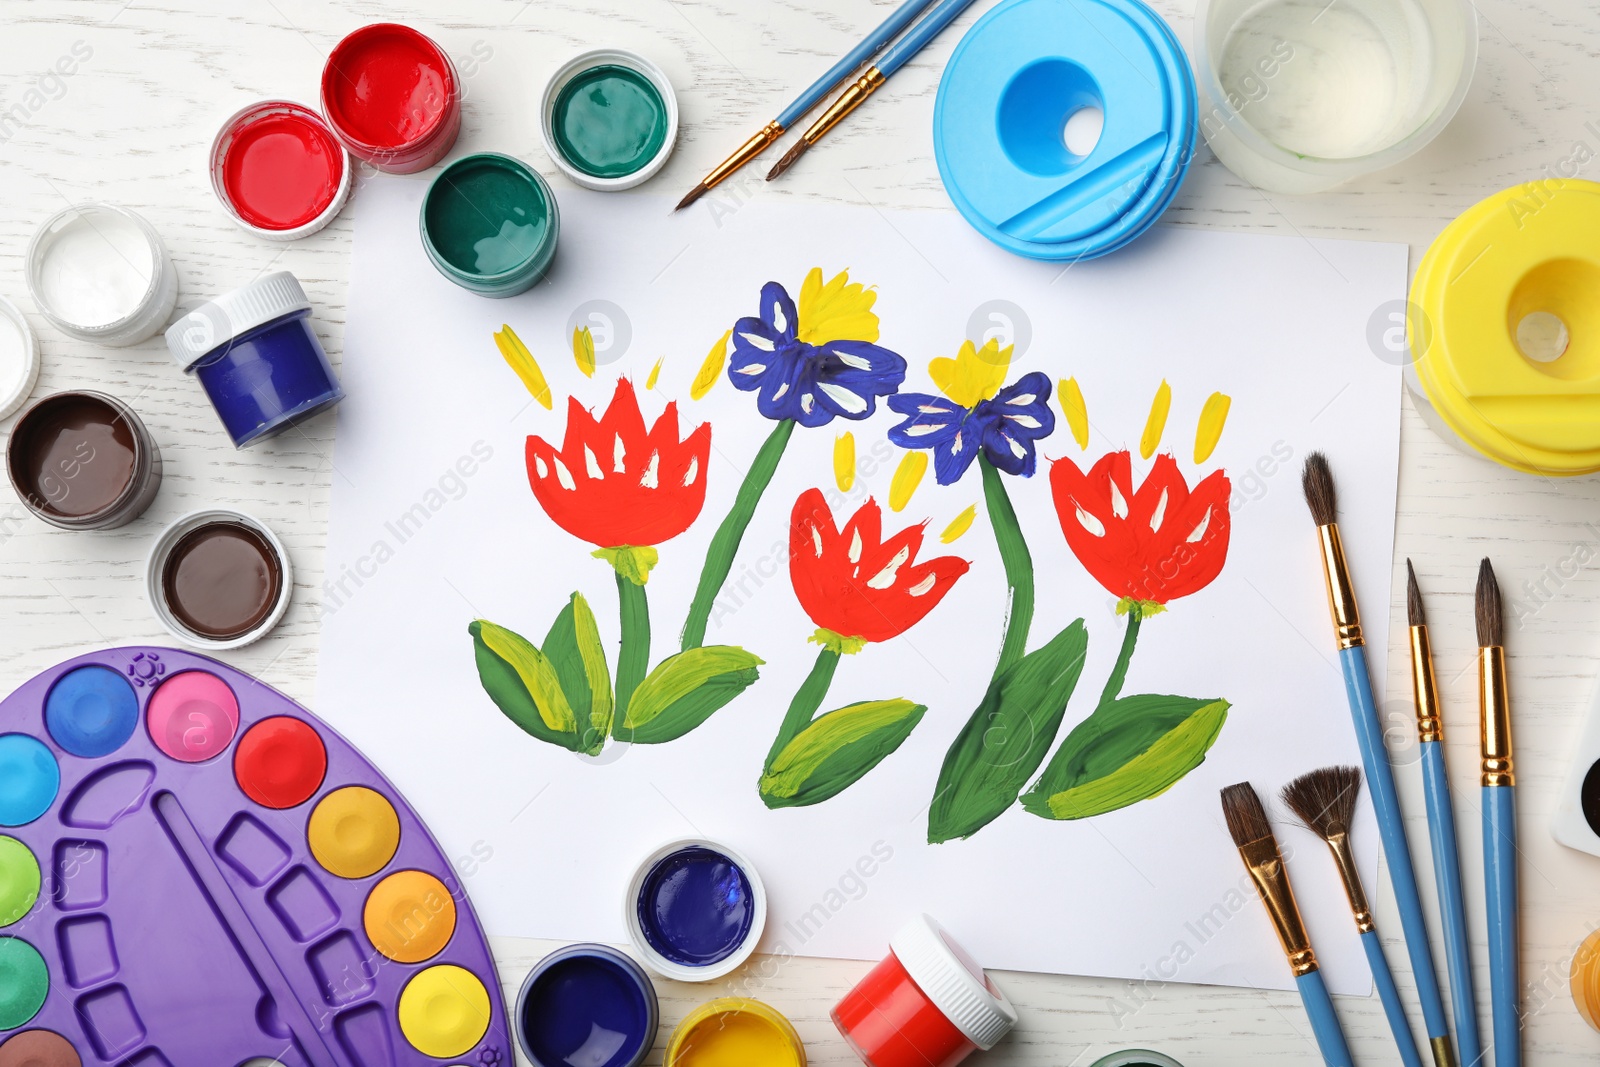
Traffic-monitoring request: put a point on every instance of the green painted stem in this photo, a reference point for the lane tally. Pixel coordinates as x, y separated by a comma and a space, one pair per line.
1018, 564
725, 545
633, 659
807, 699
1119, 673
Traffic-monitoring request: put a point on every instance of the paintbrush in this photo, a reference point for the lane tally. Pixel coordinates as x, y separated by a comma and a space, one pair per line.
1320, 497
1499, 822
1325, 801
875, 42
1442, 827
1247, 824
856, 93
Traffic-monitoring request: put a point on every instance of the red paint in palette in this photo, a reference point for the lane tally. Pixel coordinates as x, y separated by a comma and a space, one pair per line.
279, 170
392, 96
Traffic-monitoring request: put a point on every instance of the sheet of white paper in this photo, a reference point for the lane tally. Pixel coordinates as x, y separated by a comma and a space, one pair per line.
434, 525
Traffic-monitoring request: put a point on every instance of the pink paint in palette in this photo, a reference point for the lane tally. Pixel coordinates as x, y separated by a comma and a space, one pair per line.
196, 870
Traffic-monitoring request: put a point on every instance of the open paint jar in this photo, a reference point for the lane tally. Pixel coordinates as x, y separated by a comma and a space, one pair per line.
100, 273
587, 1004
695, 909
83, 461
490, 223
19, 358
1505, 356
218, 579
1136, 1057
392, 96
735, 1032
609, 119
258, 358
1585, 979
278, 170
1297, 96
927, 1003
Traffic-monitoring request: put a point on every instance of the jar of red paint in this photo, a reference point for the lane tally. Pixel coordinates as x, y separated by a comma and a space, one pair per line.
392, 97
928, 1004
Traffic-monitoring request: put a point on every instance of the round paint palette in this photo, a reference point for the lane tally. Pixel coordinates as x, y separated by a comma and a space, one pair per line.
195, 869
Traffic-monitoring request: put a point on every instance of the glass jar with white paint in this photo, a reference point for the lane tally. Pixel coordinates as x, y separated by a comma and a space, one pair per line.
101, 273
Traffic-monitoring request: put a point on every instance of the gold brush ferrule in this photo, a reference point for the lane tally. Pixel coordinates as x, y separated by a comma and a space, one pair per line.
1430, 727
744, 154
848, 101
1443, 1054
1496, 717
1345, 858
1341, 593
1272, 881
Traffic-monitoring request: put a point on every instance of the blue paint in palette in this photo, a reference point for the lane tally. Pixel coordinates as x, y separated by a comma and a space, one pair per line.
91, 712
29, 779
696, 907
587, 1006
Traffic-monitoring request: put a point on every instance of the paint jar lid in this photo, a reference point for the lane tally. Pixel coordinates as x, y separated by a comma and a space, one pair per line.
954, 982
155, 568
570, 71
744, 930
279, 170
1006, 119
220, 320
19, 358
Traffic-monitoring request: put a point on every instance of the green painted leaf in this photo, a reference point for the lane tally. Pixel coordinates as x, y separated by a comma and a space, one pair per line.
1007, 737
684, 690
1132, 750
575, 652
523, 684
836, 750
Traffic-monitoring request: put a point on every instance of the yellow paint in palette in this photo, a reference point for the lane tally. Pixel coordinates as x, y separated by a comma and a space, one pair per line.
735, 1032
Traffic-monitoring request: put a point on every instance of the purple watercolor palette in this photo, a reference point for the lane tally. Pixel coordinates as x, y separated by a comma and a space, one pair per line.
194, 869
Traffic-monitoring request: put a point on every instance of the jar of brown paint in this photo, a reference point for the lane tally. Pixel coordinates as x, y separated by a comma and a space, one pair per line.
83, 461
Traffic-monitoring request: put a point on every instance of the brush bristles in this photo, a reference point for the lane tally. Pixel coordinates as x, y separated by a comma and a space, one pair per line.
1487, 608
1414, 598
694, 194
788, 158
1247, 820
1317, 480
1325, 799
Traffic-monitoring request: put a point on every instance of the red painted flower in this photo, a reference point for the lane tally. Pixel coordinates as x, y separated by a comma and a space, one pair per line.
1152, 545
616, 484
854, 583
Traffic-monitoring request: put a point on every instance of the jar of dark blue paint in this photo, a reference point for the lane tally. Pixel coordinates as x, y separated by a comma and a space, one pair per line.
258, 358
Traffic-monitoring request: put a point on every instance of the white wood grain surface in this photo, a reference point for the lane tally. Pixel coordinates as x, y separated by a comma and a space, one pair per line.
133, 125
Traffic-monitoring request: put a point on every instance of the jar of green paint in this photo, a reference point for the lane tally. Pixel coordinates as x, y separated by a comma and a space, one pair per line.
609, 119
489, 224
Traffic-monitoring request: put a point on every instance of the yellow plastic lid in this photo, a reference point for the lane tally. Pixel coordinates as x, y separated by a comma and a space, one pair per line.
1508, 345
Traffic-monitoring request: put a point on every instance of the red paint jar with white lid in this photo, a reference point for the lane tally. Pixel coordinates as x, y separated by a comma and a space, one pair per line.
392, 97
928, 1004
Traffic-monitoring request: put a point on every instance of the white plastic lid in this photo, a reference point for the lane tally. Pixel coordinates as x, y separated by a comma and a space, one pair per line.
19, 358
216, 322
954, 982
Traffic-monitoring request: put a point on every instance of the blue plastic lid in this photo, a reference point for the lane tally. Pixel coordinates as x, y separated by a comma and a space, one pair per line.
1000, 119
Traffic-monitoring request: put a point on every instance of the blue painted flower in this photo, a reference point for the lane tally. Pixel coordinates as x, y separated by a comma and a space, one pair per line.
820, 363
976, 414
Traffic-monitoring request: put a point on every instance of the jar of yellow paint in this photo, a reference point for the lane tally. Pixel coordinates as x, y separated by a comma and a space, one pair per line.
735, 1032
1586, 979
1504, 329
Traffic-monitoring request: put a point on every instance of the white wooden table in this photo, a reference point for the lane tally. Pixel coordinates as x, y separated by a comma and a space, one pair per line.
133, 125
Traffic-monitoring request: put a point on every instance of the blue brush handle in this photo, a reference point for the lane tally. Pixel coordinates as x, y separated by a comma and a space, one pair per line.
1500, 879
875, 42
1380, 779
1324, 1023
921, 34
1447, 876
1392, 1007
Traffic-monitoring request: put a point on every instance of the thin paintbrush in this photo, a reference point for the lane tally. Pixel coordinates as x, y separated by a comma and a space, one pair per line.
848, 64
1325, 800
1248, 826
1442, 828
1320, 496
1499, 823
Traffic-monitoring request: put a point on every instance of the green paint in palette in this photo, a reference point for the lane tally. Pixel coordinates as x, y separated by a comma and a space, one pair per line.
490, 223
610, 121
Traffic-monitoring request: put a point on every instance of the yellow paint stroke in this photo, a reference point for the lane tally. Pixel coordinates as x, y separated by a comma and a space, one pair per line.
711, 369
959, 525
521, 360
844, 461
841, 310
1212, 418
907, 477
1156, 424
1073, 407
655, 373
975, 375
583, 350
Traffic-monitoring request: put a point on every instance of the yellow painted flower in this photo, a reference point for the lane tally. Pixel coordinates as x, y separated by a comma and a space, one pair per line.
975, 375
838, 310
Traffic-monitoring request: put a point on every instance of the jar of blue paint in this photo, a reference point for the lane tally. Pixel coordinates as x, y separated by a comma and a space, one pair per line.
587, 1004
257, 357
695, 909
